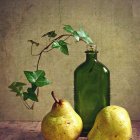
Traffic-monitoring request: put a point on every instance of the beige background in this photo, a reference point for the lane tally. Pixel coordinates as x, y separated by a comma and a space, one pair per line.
114, 25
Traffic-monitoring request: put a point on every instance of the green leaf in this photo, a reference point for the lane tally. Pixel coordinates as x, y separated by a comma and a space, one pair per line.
33, 76
82, 33
61, 45
50, 34
30, 76
17, 84
42, 81
34, 87
25, 96
30, 94
63, 48
68, 28
37, 78
56, 44
84, 36
76, 35
88, 40
33, 97
17, 87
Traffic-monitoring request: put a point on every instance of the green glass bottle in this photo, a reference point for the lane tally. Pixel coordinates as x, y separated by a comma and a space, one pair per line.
91, 89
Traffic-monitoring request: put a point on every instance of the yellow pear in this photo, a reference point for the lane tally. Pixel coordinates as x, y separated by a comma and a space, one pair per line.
112, 123
62, 122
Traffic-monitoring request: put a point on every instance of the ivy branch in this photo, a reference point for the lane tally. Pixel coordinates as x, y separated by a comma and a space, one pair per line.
37, 78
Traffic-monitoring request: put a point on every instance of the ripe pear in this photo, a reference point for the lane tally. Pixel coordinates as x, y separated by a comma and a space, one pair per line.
112, 123
62, 122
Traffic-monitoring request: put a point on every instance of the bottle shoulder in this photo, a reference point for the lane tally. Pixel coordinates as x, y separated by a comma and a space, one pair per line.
95, 64
103, 67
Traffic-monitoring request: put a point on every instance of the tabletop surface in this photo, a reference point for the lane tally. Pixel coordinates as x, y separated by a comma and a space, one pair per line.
17, 130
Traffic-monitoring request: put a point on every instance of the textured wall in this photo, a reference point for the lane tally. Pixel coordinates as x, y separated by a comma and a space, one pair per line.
113, 24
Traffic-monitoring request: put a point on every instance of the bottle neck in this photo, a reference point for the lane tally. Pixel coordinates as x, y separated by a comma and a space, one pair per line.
91, 55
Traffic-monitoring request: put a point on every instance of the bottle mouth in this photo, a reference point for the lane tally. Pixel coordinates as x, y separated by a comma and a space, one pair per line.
91, 51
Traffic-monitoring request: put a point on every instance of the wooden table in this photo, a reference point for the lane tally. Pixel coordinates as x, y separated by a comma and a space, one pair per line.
15, 130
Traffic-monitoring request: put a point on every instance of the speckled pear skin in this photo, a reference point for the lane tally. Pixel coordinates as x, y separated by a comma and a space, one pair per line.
112, 123
61, 123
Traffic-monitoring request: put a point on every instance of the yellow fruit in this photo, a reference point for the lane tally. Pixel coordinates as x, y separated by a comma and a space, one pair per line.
62, 122
112, 123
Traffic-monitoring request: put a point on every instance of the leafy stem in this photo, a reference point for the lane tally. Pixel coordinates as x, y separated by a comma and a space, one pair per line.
37, 78
46, 48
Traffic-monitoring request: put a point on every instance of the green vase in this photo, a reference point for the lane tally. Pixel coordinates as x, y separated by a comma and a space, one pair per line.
91, 89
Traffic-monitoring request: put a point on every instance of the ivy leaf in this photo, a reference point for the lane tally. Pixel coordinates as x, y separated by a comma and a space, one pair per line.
30, 94
88, 40
33, 97
33, 42
30, 76
25, 96
17, 84
17, 87
76, 35
33, 76
84, 36
37, 78
50, 34
42, 81
68, 28
62, 46
34, 87
56, 44
82, 33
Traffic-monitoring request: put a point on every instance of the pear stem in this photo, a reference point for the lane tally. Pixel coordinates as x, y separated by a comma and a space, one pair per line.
53, 95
